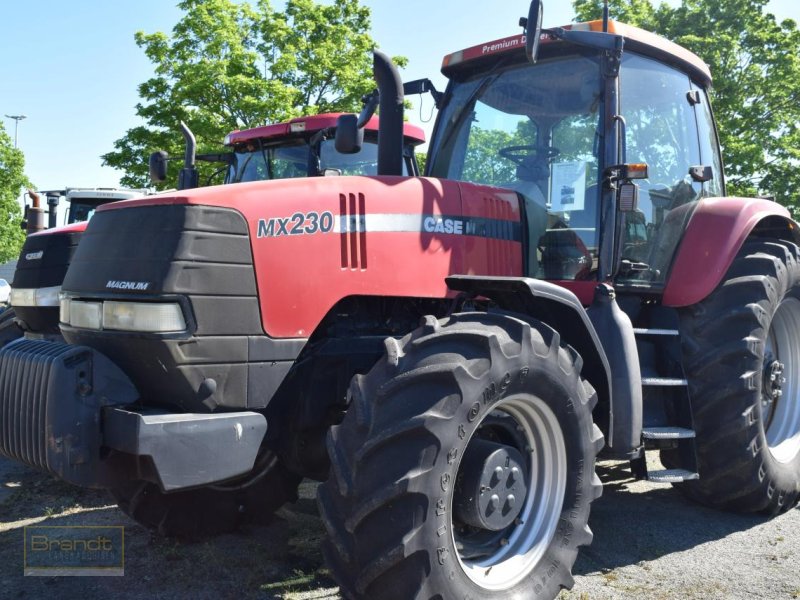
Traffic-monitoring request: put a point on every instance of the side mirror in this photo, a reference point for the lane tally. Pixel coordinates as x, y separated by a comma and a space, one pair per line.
158, 166
349, 136
533, 29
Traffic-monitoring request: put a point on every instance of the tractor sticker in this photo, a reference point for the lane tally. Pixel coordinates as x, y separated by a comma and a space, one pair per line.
298, 224
442, 225
326, 222
139, 286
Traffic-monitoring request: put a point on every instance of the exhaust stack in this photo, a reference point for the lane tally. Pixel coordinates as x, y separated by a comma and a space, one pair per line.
390, 127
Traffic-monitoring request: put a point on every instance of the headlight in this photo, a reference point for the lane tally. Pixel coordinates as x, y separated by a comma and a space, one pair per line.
47, 296
152, 317
63, 314
143, 316
87, 315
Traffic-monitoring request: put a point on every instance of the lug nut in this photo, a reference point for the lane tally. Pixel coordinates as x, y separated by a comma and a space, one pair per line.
510, 502
497, 476
494, 503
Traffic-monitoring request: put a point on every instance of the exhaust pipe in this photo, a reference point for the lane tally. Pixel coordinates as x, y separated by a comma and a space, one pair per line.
52, 208
390, 125
34, 214
188, 177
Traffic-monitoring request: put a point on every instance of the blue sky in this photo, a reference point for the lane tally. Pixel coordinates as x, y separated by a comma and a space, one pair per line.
73, 67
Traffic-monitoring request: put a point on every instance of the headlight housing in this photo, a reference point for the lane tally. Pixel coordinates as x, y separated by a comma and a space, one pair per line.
143, 316
46, 296
147, 317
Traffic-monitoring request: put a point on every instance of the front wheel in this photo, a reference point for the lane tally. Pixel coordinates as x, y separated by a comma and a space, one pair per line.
9, 330
464, 467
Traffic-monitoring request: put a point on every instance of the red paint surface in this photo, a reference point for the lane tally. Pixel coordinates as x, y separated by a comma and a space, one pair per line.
413, 134
300, 277
71, 228
714, 236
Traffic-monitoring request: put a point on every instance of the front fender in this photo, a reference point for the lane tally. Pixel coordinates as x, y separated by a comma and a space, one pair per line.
560, 309
715, 234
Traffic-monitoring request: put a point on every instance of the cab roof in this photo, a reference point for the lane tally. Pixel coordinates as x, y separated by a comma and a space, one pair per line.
636, 39
413, 135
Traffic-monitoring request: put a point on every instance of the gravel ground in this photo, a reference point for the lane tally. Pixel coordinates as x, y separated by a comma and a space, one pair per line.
649, 543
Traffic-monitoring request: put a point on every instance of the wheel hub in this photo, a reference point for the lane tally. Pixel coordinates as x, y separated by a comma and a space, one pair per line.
772, 387
491, 488
781, 383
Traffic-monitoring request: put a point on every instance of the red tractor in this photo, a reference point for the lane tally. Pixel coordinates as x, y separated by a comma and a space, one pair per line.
302, 147
448, 353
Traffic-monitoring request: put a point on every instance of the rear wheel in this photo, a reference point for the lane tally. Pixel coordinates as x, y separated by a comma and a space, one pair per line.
742, 356
464, 467
215, 509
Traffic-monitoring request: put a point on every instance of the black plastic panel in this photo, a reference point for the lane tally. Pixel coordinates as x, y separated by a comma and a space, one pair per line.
43, 263
201, 255
44, 259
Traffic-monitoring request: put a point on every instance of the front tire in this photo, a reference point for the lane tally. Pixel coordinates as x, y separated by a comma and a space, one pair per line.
9, 330
464, 467
739, 345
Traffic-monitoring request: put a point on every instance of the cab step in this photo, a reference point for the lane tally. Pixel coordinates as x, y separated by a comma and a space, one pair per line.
648, 331
664, 382
667, 433
671, 476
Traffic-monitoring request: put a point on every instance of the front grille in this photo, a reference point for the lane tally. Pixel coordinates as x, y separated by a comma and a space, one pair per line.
25, 378
198, 254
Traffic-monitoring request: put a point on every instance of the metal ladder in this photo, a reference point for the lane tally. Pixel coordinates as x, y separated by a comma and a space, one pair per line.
666, 412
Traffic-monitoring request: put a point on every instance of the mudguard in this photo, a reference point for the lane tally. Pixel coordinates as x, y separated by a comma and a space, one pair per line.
715, 234
562, 310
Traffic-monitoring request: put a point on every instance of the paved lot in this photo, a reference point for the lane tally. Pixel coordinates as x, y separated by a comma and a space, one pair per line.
649, 543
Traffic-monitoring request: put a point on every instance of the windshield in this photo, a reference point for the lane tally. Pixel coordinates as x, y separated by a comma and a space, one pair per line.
290, 159
81, 211
251, 163
535, 129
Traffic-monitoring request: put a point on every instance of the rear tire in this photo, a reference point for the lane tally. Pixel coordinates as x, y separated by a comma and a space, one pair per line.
211, 510
412, 453
746, 420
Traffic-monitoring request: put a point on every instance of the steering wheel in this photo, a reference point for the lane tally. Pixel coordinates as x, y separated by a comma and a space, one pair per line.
521, 154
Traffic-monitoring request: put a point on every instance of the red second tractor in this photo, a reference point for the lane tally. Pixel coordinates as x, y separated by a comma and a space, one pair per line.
448, 354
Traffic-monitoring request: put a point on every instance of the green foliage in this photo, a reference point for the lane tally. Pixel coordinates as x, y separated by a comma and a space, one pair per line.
422, 158
12, 181
230, 65
483, 162
755, 62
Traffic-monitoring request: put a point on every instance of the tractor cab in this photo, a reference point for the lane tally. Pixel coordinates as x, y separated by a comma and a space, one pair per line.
305, 147
84, 201
557, 132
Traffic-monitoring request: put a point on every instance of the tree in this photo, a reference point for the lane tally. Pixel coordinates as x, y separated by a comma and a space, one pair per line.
755, 62
229, 65
12, 181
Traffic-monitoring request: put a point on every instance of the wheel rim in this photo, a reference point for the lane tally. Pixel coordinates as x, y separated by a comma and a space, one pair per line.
781, 396
514, 552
